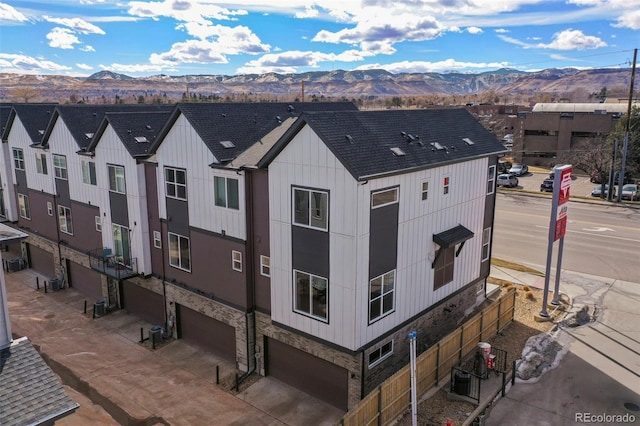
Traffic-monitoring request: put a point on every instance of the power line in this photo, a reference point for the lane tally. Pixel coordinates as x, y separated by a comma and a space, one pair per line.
584, 56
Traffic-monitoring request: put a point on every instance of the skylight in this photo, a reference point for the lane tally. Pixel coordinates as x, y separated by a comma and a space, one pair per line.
141, 139
468, 141
398, 152
227, 144
437, 146
88, 135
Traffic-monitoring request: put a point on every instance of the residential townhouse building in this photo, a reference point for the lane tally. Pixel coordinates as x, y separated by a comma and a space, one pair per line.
304, 248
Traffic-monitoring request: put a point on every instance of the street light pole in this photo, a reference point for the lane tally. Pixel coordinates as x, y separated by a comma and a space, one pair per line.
625, 144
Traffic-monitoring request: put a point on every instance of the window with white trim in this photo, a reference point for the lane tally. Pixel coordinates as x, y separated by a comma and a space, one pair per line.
175, 183
381, 295
491, 180
486, 242
49, 208
265, 266
41, 163
445, 185
226, 192
89, 172
311, 295
384, 198
179, 252
64, 218
98, 223
116, 179
311, 208
236, 260
18, 158
60, 166
425, 190
157, 239
380, 354
23, 204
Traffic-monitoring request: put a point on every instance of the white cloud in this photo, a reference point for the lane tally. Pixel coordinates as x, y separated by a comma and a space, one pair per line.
27, 64
501, 31
132, 68
84, 67
183, 10
309, 12
62, 38
630, 19
8, 13
474, 30
423, 66
76, 24
564, 40
292, 61
87, 48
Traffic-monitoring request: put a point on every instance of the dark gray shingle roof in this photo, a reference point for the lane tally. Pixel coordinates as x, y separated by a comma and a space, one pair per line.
34, 117
363, 140
30, 392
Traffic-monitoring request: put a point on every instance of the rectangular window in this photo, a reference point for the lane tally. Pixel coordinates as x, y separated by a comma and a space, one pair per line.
443, 271
23, 204
64, 217
98, 224
176, 183
116, 179
491, 180
310, 208
179, 252
425, 190
49, 208
236, 260
41, 163
383, 198
226, 192
157, 240
445, 187
265, 266
381, 292
60, 166
89, 172
18, 159
121, 244
381, 353
311, 295
486, 241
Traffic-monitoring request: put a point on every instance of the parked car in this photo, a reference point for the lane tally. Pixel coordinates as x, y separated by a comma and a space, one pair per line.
546, 185
630, 192
507, 179
519, 169
597, 191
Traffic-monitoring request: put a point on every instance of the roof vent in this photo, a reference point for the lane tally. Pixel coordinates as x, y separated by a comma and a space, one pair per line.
88, 135
279, 119
468, 141
148, 126
141, 139
397, 152
437, 146
223, 115
290, 108
227, 144
349, 138
41, 132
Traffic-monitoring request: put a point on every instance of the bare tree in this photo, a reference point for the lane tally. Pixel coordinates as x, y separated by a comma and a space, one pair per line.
591, 155
23, 94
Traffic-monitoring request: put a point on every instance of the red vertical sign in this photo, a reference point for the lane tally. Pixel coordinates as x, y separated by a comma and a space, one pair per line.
563, 200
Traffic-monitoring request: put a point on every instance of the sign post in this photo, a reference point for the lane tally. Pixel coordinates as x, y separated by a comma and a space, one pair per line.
557, 229
414, 399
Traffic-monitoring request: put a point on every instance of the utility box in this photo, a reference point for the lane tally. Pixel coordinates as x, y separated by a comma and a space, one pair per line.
55, 284
15, 264
99, 309
155, 334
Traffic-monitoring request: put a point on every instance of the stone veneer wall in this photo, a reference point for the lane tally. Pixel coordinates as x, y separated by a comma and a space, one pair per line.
431, 327
352, 363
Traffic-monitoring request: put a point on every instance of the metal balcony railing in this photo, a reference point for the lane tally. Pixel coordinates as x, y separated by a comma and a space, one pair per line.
106, 262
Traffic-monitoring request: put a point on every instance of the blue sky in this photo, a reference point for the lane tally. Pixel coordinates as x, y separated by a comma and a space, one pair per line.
178, 37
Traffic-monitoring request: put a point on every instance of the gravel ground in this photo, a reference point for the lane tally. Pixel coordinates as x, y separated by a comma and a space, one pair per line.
438, 409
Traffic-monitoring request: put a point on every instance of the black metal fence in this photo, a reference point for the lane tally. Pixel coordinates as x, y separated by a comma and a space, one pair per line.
465, 383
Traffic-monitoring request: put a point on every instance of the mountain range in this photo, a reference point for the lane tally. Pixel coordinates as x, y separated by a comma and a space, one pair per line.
321, 84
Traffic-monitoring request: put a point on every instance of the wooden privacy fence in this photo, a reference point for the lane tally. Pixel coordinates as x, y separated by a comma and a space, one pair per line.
393, 396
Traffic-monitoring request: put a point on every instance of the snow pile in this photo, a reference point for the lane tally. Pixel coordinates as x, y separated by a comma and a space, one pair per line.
541, 353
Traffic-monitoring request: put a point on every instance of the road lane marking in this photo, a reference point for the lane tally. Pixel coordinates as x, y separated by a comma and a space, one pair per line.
591, 233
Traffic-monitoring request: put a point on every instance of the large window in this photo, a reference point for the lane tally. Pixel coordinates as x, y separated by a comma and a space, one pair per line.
491, 180
89, 172
443, 271
486, 241
381, 292
41, 163
311, 295
23, 204
310, 208
179, 252
18, 159
383, 198
116, 179
226, 192
60, 166
64, 217
176, 183
122, 244
381, 353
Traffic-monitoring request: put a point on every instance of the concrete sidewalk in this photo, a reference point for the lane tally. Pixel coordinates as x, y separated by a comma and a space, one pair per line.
136, 385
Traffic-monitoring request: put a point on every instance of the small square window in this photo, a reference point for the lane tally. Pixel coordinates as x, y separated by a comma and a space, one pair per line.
265, 266
445, 190
98, 224
49, 208
236, 260
425, 190
157, 240
380, 354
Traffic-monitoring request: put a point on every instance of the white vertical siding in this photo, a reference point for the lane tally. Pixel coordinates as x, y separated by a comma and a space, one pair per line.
183, 148
8, 189
306, 161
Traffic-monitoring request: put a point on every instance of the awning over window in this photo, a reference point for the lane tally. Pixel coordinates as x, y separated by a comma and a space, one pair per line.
452, 237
